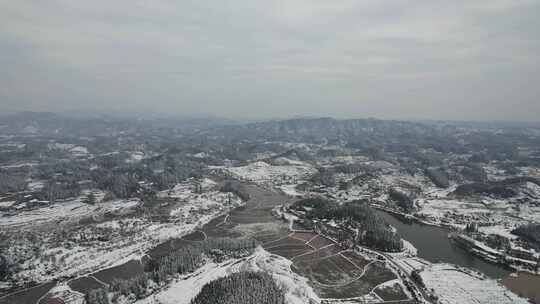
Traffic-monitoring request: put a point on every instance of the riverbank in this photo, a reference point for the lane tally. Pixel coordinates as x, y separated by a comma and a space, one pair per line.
474, 247
434, 246
525, 285
410, 217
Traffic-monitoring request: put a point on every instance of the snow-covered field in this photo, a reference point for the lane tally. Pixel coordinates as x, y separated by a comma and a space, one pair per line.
182, 290
455, 286
261, 172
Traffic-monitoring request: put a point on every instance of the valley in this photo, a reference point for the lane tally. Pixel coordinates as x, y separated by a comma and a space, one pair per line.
333, 211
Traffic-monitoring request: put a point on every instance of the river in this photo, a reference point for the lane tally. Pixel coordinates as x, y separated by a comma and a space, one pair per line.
433, 245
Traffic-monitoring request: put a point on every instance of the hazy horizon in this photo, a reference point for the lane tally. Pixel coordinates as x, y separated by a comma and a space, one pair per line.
423, 60
247, 120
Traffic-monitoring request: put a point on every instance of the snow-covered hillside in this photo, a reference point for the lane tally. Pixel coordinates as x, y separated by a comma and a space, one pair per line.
261, 172
182, 290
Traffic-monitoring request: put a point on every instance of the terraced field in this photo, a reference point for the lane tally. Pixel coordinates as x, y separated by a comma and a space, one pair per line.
334, 272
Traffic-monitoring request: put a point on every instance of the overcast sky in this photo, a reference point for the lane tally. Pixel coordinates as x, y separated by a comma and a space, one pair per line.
432, 59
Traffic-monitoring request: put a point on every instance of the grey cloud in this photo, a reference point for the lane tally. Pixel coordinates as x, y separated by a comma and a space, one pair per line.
395, 59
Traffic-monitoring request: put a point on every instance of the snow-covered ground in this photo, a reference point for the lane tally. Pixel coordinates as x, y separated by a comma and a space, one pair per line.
261, 172
135, 157
198, 196
349, 159
7, 204
409, 264
63, 291
188, 189
455, 286
142, 235
97, 246
204, 203
20, 165
71, 148
77, 261
290, 190
529, 213
492, 216
70, 210
182, 290
409, 248
35, 185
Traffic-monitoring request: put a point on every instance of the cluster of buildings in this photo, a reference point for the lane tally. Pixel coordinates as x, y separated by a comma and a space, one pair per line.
515, 257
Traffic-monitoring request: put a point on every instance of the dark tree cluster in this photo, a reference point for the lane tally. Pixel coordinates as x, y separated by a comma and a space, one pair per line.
474, 172
415, 275
97, 296
12, 182
54, 190
7, 267
62, 170
109, 173
325, 177
182, 261
500, 189
438, 177
351, 168
241, 288
403, 200
497, 241
121, 185
484, 189
236, 188
529, 232
374, 231
229, 245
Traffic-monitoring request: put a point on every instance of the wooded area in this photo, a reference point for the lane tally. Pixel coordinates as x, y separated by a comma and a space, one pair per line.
241, 288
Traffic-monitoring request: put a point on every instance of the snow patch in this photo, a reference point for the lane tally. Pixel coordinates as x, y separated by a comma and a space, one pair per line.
261, 172
71, 210
7, 204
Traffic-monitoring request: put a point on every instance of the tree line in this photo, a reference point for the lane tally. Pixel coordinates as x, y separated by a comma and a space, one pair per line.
185, 260
374, 231
529, 232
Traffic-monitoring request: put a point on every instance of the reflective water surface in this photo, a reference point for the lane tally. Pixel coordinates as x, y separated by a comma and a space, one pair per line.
433, 245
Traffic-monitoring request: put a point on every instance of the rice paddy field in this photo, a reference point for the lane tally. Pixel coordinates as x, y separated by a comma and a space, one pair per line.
335, 272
